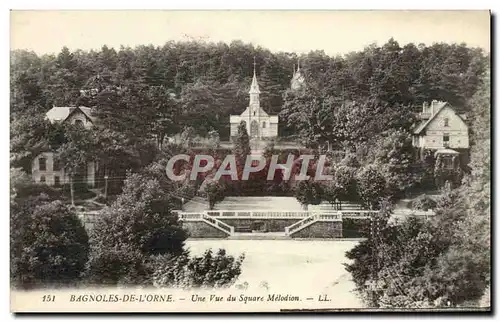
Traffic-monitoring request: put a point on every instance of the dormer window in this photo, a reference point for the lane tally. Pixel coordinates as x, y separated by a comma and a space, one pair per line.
446, 122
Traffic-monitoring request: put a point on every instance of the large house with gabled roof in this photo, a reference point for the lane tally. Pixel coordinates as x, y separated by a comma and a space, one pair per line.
44, 168
441, 130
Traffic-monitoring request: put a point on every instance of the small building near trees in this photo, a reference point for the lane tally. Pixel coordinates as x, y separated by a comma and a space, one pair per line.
443, 131
45, 169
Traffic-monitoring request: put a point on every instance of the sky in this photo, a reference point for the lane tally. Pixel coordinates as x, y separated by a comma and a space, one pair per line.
335, 32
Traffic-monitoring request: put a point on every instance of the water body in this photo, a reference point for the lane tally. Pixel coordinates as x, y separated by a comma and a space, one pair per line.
302, 267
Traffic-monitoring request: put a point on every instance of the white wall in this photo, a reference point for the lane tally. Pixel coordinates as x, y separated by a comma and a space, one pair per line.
79, 116
49, 173
456, 129
270, 129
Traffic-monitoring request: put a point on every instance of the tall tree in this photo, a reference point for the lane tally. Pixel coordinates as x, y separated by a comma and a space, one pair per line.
75, 153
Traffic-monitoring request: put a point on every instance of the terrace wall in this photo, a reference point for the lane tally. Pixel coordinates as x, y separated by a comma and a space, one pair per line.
200, 229
321, 229
270, 225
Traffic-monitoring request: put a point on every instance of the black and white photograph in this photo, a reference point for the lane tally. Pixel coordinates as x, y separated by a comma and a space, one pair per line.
250, 161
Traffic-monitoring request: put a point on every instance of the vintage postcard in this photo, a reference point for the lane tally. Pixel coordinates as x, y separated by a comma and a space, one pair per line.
250, 161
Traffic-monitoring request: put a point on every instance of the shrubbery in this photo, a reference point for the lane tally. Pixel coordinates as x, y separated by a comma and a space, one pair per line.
397, 264
140, 219
206, 271
423, 202
49, 245
136, 241
115, 266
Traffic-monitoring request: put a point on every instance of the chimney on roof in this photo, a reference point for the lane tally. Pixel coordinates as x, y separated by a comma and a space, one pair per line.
433, 106
425, 106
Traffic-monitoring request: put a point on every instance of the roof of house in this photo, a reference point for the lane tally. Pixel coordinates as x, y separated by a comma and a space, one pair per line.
446, 151
423, 124
61, 113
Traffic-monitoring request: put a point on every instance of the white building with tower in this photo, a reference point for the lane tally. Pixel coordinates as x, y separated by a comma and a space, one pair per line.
259, 124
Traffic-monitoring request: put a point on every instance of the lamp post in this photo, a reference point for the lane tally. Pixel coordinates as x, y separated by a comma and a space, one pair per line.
106, 186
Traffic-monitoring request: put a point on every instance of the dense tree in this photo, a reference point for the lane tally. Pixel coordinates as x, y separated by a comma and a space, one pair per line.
75, 153
49, 244
440, 262
144, 206
395, 155
29, 135
206, 271
309, 193
371, 186
242, 142
214, 191
135, 87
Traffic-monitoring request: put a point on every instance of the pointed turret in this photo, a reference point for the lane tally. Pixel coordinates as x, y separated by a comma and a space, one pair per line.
254, 88
297, 78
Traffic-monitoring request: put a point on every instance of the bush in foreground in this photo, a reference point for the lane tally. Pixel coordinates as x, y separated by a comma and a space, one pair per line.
50, 245
117, 266
206, 271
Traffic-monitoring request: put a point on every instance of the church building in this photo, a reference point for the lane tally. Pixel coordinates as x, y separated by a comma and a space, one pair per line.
259, 124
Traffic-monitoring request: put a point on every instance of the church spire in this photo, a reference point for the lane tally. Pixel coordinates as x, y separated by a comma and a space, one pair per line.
297, 78
254, 88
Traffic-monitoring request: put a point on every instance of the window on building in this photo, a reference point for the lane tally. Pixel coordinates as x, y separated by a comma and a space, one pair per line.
253, 113
56, 166
79, 122
42, 179
447, 163
263, 125
446, 138
446, 121
42, 164
57, 181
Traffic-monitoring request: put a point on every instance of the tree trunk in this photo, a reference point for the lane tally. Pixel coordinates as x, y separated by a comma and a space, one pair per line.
72, 190
106, 183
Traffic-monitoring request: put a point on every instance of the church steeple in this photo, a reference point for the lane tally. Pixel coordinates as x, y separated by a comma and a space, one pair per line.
254, 88
297, 79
